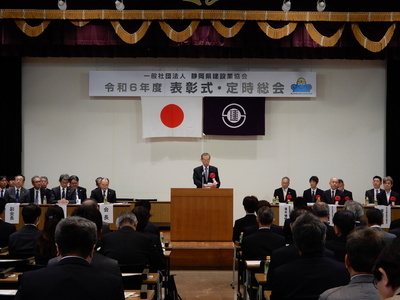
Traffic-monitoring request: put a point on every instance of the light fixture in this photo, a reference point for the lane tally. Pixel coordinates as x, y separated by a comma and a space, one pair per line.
62, 4
321, 4
286, 5
119, 5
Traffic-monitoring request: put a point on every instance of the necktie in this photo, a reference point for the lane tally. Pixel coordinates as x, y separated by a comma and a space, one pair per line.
333, 195
206, 174
37, 197
104, 194
376, 193
313, 194
63, 194
2, 194
17, 195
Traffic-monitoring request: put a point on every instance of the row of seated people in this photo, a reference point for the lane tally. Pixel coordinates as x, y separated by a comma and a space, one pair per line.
306, 265
337, 193
68, 190
135, 245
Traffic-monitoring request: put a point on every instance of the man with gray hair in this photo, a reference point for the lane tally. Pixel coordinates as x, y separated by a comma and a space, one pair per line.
72, 277
130, 247
321, 211
358, 211
63, 194
313, 273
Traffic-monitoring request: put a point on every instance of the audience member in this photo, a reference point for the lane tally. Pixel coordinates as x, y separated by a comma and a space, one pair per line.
387, 272
17, 193
250, 205
285, 193
202, 175
388, 196
3, 185
90, 203
21, 243
313, 273
314, 193
347, 195
358, 211
363, 247
80, 192
36, 192
45, 247
344, 222
150, 227
103, 193
300, 203
372, 194
63, 194
321, 210
6, 229
130, 247
333, 195
375, 220
72, 277
252, 229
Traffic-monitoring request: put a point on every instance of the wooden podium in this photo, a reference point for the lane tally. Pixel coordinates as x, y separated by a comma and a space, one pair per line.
201, 228
201, 214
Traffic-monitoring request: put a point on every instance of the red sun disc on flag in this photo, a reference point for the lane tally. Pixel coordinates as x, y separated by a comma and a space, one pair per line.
172, 115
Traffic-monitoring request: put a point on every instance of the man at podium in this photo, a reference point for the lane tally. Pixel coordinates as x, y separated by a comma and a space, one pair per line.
206, 176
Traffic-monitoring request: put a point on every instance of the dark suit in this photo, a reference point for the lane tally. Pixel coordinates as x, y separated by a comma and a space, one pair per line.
128, 246
328, 197
347, 195
43, 192
338, 246
21, 243
308, 196
198, 178
81, 192
310, 275
260, 244
382, 200
394, 224
97, 194
371, 194
71, 278
56, 195
99, 262
242, 223
10, 196
388, 237
279, 193
6, 229
152, 228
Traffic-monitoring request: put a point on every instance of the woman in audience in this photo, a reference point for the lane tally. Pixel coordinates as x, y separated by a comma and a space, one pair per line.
45, 247
387, 272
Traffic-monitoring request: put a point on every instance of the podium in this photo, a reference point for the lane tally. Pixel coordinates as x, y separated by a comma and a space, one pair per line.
201, 214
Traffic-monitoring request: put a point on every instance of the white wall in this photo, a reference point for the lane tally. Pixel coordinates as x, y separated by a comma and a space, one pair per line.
340, 133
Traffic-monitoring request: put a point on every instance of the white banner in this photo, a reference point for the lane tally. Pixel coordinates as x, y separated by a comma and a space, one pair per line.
64, 207
12, 213
387, 218
284, 212
332, 212
202, 83
107, 212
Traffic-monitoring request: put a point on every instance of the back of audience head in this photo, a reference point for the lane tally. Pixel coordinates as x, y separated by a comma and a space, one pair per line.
126, 218
355, 207
92, 214
53, 215
250, 204
294, 214
387, 270
363, 247
344, 221
374, 216
90, 203
309, 234
262, 203
75, 236
265, 215
142, 214
30, 213
300, 203
320, 209
145, 203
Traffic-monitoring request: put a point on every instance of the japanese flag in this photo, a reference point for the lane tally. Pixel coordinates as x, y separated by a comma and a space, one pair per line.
172, 116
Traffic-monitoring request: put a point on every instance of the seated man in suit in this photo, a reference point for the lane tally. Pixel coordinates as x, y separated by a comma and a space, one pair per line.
206, 175
130, 247
372, 194
344, 222
103, 193
333, 195
63, 194
363, 247
313, 193
375, 220
17, 193
250, 205
6, 229
388, 196
21, 243
80, 192
3, 185
73, 277
347, 195
313, 273
36, 192
285, 193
